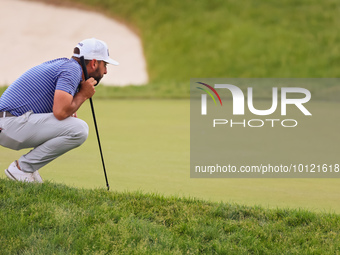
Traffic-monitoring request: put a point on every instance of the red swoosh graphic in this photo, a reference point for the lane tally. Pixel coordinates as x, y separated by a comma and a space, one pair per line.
213, 90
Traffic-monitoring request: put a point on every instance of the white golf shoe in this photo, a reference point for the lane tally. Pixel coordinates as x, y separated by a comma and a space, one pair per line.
37, 177
15, 174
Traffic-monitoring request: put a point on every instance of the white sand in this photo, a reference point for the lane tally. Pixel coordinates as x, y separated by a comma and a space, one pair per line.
32, 33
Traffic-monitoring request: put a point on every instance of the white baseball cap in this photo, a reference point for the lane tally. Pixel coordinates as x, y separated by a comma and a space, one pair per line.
94, 49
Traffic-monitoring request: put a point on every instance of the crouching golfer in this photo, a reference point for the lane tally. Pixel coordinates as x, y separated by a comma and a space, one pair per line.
38, 110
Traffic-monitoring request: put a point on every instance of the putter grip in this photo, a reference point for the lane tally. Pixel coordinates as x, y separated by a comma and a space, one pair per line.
83, 66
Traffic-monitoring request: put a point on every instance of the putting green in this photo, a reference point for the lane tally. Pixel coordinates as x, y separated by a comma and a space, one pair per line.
146, 145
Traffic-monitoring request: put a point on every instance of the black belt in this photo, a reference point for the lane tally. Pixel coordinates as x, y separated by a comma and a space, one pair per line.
6, 114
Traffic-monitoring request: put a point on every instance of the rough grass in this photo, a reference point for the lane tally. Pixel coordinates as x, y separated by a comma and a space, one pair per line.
56, 219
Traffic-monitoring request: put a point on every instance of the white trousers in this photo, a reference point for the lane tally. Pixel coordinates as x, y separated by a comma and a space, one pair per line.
48, 136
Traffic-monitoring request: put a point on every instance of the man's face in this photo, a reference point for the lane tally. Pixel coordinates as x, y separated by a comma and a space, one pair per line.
100, 71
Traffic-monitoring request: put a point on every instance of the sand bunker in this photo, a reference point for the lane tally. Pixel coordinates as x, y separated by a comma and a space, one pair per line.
33, 32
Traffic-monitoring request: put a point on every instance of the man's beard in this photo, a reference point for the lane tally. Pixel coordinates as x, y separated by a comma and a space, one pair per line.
96, 75
97, 78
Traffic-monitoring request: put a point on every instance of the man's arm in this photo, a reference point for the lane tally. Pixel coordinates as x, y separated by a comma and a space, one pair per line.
65, 105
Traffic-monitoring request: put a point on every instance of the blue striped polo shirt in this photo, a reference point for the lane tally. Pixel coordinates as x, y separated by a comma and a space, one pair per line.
34, 90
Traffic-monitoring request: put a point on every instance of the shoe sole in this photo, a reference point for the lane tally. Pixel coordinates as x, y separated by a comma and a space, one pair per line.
9, 175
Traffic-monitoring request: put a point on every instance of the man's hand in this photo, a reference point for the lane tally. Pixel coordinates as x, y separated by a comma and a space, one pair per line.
87, 88
65, 105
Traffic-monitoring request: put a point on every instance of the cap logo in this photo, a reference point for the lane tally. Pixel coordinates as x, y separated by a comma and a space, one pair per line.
81, 44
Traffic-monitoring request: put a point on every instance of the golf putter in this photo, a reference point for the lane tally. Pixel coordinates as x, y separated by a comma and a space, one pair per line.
83, 65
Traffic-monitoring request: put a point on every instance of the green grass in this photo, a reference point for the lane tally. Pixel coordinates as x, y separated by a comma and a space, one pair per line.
204, 38
146, 146
56, 219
